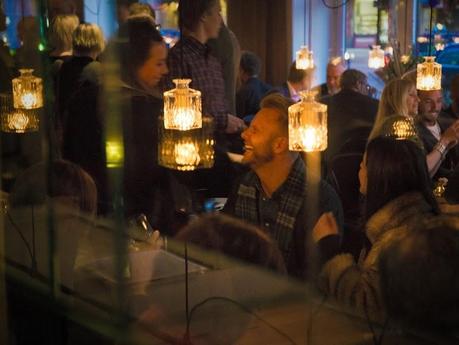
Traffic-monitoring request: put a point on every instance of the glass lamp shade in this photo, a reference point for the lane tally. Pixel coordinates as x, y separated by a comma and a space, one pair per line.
428, 76
307, 124
182, 107
17, 120
186, 150
27, 90
304, 59
376, 57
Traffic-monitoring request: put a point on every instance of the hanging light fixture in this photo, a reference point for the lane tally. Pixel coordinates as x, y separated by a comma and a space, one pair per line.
304, 58
185, 137
428, 77
17, 120
27, 91
182, 107
376, 57
186, 150
307, 124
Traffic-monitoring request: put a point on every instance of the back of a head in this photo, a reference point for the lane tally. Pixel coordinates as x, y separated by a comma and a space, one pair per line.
298, 75
191, 11
420, 277
395, 167
65, 180
62, 29
234, 238
138, 9
88, 39
250, 63
351, 78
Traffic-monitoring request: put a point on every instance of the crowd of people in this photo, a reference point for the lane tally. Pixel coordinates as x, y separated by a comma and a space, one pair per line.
279, 214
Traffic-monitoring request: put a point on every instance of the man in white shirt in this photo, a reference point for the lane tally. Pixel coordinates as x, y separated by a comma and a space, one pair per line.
431, 131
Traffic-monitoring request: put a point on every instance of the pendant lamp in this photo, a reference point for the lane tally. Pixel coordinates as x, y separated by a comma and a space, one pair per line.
27, 90
376, 57
304, 58
17, 120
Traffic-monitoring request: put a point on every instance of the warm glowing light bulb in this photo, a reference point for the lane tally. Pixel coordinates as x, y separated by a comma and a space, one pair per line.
28, 100
186, 154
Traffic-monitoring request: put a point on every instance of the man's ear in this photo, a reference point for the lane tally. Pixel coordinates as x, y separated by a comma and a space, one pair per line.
280, 144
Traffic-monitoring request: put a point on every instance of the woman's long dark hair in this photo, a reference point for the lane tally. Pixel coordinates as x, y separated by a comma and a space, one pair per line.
395, 167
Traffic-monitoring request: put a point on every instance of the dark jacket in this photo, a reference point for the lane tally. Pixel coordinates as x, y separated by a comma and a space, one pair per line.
249, 96
350, 116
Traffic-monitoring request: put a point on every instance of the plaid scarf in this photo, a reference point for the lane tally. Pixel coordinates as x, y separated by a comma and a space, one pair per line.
291, 201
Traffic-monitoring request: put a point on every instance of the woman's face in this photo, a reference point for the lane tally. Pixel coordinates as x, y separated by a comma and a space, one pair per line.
363, 175
412, 101
155, 67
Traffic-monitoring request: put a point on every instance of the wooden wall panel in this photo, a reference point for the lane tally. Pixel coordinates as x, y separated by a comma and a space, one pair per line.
264, 27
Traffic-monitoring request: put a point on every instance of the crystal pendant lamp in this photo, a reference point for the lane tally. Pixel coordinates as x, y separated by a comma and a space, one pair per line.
307, 124
376, 57
428, 75
17, 120
182, 107
186, 150
304, 59
27, 91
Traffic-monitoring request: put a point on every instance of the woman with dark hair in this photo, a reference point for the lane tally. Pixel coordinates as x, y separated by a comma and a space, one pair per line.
139, 54
398, 195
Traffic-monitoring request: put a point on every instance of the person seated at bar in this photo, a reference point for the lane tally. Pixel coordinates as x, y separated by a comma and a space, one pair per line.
398, 195
397, 110
419, 280
351, 112
431, 130
252, 88
298, 80
273, 193
234, 238
335, 69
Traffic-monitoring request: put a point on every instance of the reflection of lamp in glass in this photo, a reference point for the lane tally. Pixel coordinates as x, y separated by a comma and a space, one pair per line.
376, 57
428, 75
27, 91
307, 124
182, 107
114, 152
17, 120
186, 150
304, 59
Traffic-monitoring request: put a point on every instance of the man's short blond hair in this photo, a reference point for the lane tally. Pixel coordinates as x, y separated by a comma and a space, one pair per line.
280, 103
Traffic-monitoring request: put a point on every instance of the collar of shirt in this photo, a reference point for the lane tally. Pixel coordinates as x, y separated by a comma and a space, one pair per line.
293, 94
195, 46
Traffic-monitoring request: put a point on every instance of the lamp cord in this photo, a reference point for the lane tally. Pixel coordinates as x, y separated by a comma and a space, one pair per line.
31, 251
244, 308
430, 30
182, 69
310, 25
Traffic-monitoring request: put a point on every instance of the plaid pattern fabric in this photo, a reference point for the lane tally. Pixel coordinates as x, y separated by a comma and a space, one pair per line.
205, 71
292, 194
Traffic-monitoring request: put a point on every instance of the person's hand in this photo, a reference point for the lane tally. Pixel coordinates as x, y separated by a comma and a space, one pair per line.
155, 240
235, 124
451, 136
326, 225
